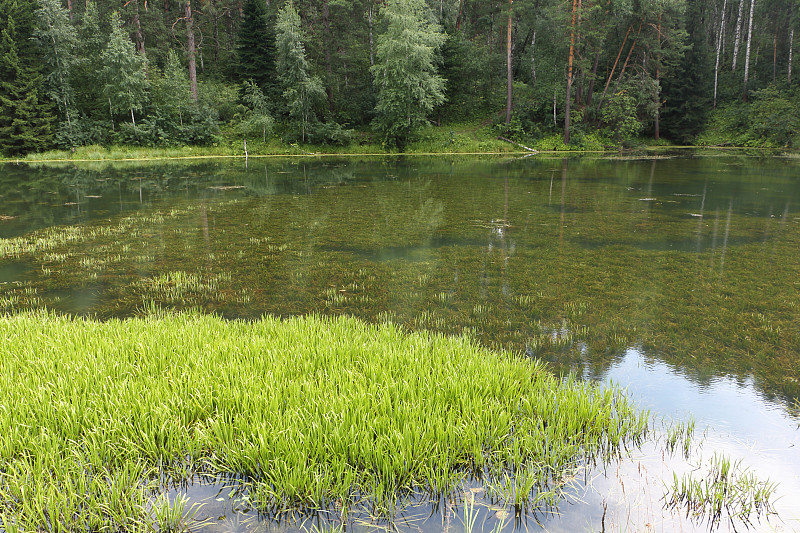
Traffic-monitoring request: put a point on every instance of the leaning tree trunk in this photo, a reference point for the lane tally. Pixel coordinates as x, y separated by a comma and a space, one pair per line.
510, 74
192, 51
616, 61
569, 73
738, 39
719, 49
747, 52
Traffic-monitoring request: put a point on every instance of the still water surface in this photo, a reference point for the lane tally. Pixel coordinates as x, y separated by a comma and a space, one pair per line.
675, 277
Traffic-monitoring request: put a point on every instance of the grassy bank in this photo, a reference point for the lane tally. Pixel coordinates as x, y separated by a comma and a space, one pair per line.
96, 416
458, 138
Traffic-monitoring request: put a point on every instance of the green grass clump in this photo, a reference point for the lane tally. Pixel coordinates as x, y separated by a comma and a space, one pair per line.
94, 416
726, 490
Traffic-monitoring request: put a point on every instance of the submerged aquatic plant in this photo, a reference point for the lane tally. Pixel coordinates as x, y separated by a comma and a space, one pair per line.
726, 490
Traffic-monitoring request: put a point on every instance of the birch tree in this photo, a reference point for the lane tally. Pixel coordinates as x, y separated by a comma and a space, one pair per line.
125, 84
719, 49
747, 52
57, 39
738, 35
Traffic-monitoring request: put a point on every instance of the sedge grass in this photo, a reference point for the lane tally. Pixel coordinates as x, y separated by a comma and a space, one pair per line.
309, 411
726, 490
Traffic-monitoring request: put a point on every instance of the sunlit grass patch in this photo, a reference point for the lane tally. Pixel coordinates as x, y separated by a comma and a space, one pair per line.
309, 411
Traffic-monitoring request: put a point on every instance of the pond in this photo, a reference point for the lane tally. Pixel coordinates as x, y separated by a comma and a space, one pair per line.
676, 276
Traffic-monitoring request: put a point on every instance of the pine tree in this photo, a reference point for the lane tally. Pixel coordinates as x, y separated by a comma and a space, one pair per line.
302, 91
404, 74
255, 48
26, 117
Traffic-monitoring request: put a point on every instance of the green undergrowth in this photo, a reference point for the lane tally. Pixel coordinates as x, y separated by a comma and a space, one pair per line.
96, 416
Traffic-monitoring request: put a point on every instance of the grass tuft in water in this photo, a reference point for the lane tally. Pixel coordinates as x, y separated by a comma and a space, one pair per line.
307, 411
726, 490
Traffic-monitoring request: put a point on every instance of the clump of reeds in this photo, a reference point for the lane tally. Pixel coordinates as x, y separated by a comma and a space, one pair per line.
726, 490
308, 410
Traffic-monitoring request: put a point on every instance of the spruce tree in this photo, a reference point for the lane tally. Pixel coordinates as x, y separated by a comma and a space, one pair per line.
687, 92
26, 117
255, 48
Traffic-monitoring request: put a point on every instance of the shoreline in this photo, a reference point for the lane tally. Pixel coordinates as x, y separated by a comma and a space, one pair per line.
109, 155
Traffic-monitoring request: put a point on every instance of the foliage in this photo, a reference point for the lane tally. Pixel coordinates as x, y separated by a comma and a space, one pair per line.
619, 116
171, 92
302, 91
405, 74
660, 53
57, 39
771, 119
255, 48
125, 83
25, 116
255, 120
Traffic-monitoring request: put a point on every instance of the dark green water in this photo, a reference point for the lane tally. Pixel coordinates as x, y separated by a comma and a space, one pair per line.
676, 277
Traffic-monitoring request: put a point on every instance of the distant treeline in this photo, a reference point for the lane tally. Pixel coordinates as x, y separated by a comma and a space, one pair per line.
196, 72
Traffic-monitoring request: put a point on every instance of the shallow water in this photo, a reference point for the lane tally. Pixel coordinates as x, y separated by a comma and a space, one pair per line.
674, 277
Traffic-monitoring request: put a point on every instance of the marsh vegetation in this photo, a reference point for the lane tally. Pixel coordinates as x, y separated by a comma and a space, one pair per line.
689, 262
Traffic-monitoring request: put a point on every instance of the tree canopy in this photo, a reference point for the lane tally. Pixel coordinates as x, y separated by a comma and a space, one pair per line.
583, 71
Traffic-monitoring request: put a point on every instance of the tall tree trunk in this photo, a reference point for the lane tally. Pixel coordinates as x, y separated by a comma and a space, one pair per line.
590, 89
509, 73
775, 56
791, 45
190, 48
533, 58
569, 72
719, 49
215, 26
738, 39
327, 44
657, 117
460, 12
371, 41
137, 23
69, 8
579, 74
747, 52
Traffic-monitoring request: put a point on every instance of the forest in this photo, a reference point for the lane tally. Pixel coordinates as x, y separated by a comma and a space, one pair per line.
579, 73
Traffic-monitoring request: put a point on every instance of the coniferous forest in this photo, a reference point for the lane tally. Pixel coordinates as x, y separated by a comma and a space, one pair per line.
580, 72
